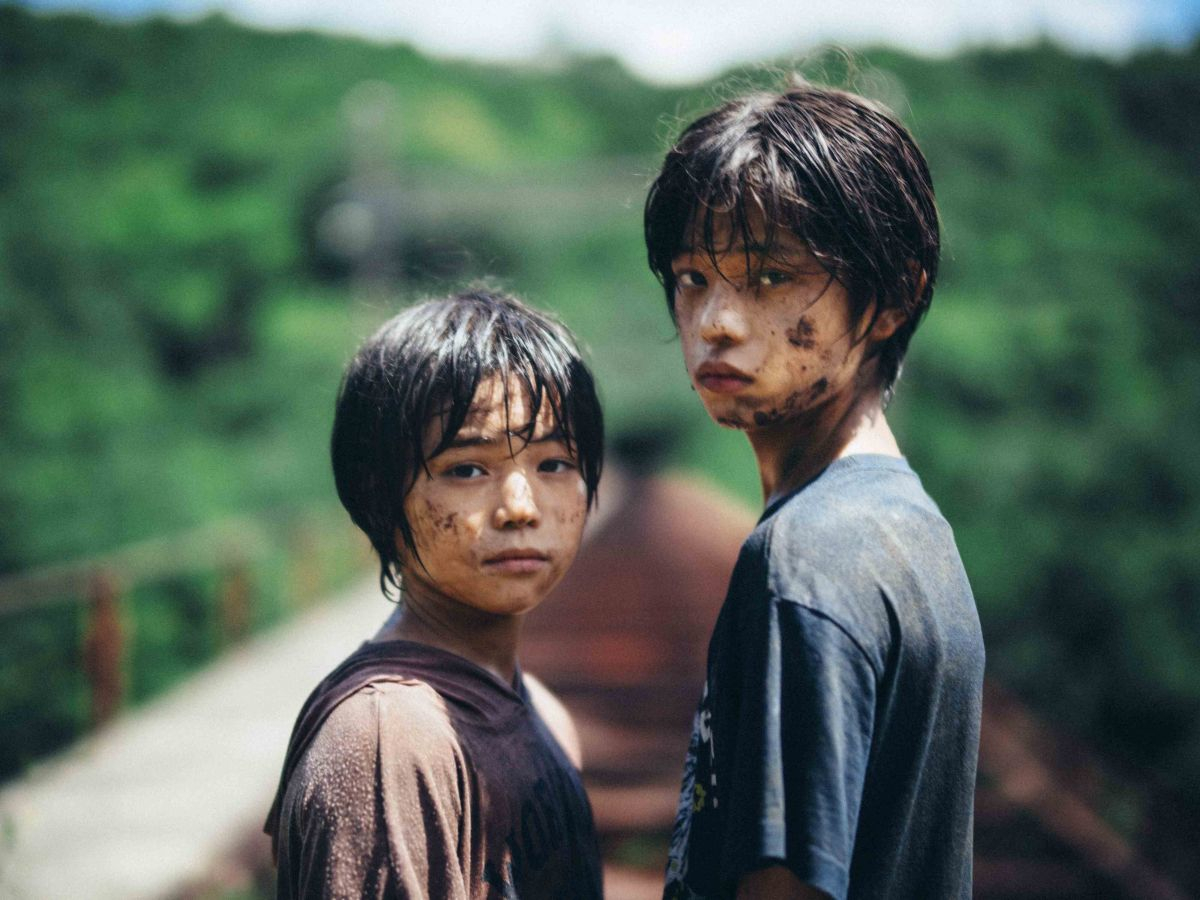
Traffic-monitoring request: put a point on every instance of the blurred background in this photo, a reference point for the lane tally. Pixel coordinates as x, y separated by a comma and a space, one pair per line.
205, 206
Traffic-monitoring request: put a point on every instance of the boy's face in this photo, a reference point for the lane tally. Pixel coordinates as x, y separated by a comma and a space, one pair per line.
496, 524
766, 337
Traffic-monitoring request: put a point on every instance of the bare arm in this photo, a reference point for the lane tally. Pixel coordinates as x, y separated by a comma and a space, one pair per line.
556, 717
776, 883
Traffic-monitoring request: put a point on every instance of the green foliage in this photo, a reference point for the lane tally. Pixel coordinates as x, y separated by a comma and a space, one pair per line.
43, 696
190, 224
1051, 401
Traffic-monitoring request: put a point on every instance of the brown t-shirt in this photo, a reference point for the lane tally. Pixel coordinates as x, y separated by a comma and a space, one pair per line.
414, 773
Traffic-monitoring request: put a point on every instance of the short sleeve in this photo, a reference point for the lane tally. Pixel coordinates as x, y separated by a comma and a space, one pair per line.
806, 710
375, 807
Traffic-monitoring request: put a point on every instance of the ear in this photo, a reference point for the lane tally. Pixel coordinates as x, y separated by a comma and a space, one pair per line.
893, 317
920, 279
886, 324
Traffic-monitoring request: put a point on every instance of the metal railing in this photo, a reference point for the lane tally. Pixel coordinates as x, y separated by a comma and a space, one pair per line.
102, 583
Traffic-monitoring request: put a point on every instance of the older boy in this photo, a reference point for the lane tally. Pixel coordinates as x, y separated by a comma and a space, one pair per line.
835, 746
467, 445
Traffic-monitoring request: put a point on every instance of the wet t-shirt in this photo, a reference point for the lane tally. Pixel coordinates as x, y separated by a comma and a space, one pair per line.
839, 728
414, 773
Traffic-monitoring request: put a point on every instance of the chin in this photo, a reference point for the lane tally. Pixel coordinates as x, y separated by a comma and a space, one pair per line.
509, 606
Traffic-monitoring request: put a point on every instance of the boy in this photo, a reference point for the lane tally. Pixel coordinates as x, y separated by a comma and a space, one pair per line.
834, 749
467, 444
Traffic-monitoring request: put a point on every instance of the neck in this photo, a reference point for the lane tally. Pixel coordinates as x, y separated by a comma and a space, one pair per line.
427, 617
792, 453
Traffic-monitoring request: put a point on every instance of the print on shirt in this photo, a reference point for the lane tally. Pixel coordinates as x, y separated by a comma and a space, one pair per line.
698, 794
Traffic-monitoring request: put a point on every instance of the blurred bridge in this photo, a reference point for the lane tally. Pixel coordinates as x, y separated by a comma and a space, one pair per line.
167, 799
160, 797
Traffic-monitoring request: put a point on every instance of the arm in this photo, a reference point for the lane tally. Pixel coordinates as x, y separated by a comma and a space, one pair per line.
557, 719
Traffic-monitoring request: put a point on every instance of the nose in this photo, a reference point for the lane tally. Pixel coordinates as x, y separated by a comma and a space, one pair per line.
516, 508
721, 321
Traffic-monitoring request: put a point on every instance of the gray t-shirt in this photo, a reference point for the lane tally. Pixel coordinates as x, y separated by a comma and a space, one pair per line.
839, 729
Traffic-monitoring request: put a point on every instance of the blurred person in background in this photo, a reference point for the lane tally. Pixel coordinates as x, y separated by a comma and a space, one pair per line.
467, 444
834, 749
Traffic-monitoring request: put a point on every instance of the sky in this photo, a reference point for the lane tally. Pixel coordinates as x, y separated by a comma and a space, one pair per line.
675, 41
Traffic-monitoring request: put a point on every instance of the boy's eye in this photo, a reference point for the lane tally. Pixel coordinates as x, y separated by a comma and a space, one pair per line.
773, 278
466, 470
556, 465
690, 279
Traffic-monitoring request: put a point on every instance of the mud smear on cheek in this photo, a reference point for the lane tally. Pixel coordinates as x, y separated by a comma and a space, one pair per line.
440, 519
802, 335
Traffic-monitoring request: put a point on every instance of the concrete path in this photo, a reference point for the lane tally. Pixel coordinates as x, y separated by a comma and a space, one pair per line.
154, 799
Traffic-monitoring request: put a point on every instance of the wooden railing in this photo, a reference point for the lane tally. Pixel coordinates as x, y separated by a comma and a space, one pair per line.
102, 583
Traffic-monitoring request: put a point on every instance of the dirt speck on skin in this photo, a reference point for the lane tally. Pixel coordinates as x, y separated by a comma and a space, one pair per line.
781, 413
802, 334
771, 417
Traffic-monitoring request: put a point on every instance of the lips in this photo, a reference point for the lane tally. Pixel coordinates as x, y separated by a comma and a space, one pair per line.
517, 561
722, 378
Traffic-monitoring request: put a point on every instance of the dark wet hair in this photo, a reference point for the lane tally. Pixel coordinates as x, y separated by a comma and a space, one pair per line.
426, 364
834, 169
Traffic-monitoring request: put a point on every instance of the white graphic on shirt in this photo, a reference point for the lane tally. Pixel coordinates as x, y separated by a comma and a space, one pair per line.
694, 796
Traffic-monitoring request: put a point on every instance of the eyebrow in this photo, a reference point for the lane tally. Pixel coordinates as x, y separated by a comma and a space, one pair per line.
484, 440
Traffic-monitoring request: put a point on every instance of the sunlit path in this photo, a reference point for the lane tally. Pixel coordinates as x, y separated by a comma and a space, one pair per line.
151, 801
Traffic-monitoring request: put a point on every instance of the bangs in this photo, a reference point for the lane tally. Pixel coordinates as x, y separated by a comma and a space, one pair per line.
541, 386
742, 211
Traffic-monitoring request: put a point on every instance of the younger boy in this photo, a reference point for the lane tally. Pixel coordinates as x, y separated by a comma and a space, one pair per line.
835, 746
467, 445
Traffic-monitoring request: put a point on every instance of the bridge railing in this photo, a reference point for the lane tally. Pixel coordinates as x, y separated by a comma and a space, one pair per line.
237, 574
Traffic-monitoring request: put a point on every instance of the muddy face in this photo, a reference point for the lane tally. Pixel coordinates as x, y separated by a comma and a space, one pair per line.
496, 522
767, 336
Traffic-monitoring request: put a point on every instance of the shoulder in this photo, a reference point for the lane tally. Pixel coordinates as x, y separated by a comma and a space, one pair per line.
556, 717
382, 783
861, 511
845, 547
379, 705
872, 492
395, 726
